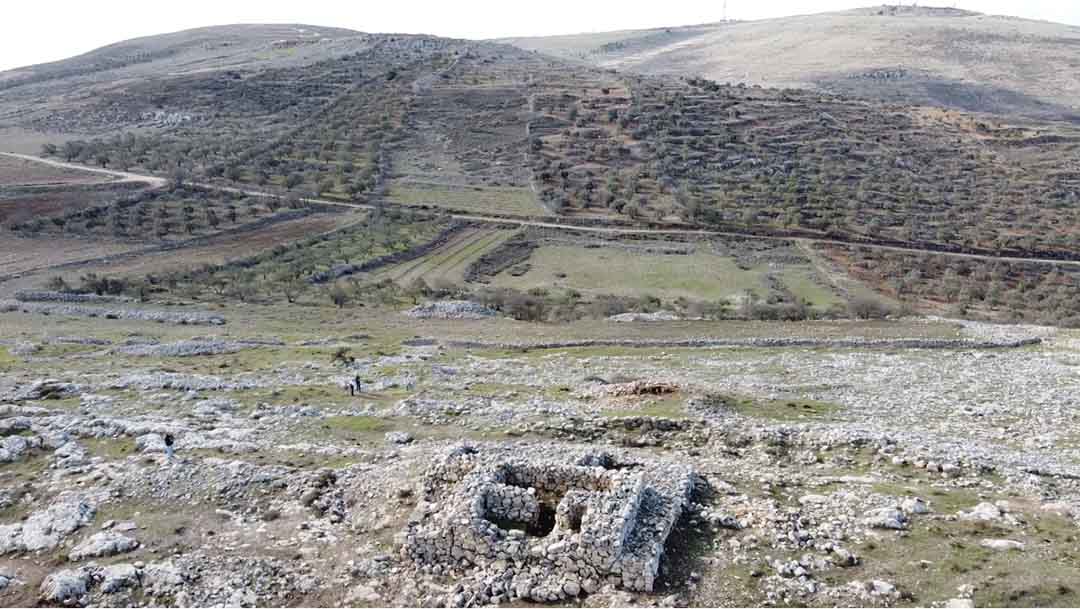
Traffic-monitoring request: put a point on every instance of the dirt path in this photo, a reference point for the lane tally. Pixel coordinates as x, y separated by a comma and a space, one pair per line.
123, 176
611, 230
848, 287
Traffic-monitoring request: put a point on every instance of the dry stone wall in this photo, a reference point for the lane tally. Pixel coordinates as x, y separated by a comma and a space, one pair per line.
547, 528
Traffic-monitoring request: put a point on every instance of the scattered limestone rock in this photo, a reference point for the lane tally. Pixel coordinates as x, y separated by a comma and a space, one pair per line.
882, 588
886, 518
71, 454
813, 499
362, 594
985, 511
150, 443
186, 348
25, 349
915, 505
399, 437
845, 558
160, 578
1002, 545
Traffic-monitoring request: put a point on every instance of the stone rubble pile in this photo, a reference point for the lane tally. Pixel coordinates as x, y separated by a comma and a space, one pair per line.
638, 317
46, 389
178, 381
186, 348
764, 343
451, 309
50, 296
45, 529
75, 310
632, 388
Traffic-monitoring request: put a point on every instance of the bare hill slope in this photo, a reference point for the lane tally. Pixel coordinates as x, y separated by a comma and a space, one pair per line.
922, 55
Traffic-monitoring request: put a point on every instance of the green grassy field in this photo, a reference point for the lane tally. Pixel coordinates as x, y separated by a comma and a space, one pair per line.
701, 275
803, 282
487, 199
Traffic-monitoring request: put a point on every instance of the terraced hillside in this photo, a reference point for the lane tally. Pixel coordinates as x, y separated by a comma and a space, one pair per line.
449, 263
730, 156
488, 132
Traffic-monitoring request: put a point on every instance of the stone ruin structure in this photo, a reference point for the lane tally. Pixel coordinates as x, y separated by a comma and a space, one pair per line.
545, 528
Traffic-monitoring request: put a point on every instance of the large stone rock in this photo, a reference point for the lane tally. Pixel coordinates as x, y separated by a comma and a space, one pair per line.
71, 454
10, 538
161, 578
115, 578
8, 578
985, 511
399, 437
66, 587
915, 505
16, 448
105, 543
363, 594
885, 518
1002, 545
150, 443
48, 389
45, 529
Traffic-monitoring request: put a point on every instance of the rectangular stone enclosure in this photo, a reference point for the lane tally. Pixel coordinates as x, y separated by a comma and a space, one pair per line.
551, 527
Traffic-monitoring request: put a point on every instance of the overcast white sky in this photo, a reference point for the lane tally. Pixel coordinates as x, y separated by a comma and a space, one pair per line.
35, 31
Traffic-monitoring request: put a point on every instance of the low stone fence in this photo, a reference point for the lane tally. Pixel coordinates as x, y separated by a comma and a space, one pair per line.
761, 342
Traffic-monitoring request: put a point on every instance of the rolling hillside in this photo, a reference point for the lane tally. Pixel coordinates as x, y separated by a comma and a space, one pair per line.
918, 55
488, 130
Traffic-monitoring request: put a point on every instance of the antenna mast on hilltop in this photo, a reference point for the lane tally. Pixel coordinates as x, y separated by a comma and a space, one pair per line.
725, 10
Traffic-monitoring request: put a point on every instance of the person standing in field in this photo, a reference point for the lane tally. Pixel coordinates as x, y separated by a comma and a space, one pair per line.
169, 440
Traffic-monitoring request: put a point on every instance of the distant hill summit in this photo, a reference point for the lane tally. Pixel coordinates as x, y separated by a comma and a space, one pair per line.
911, 54
910, 10
189, 50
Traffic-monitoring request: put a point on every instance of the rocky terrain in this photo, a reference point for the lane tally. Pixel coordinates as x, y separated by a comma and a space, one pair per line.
863, 469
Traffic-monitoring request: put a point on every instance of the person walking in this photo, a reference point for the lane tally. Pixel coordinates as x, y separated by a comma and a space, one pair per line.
169, 440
